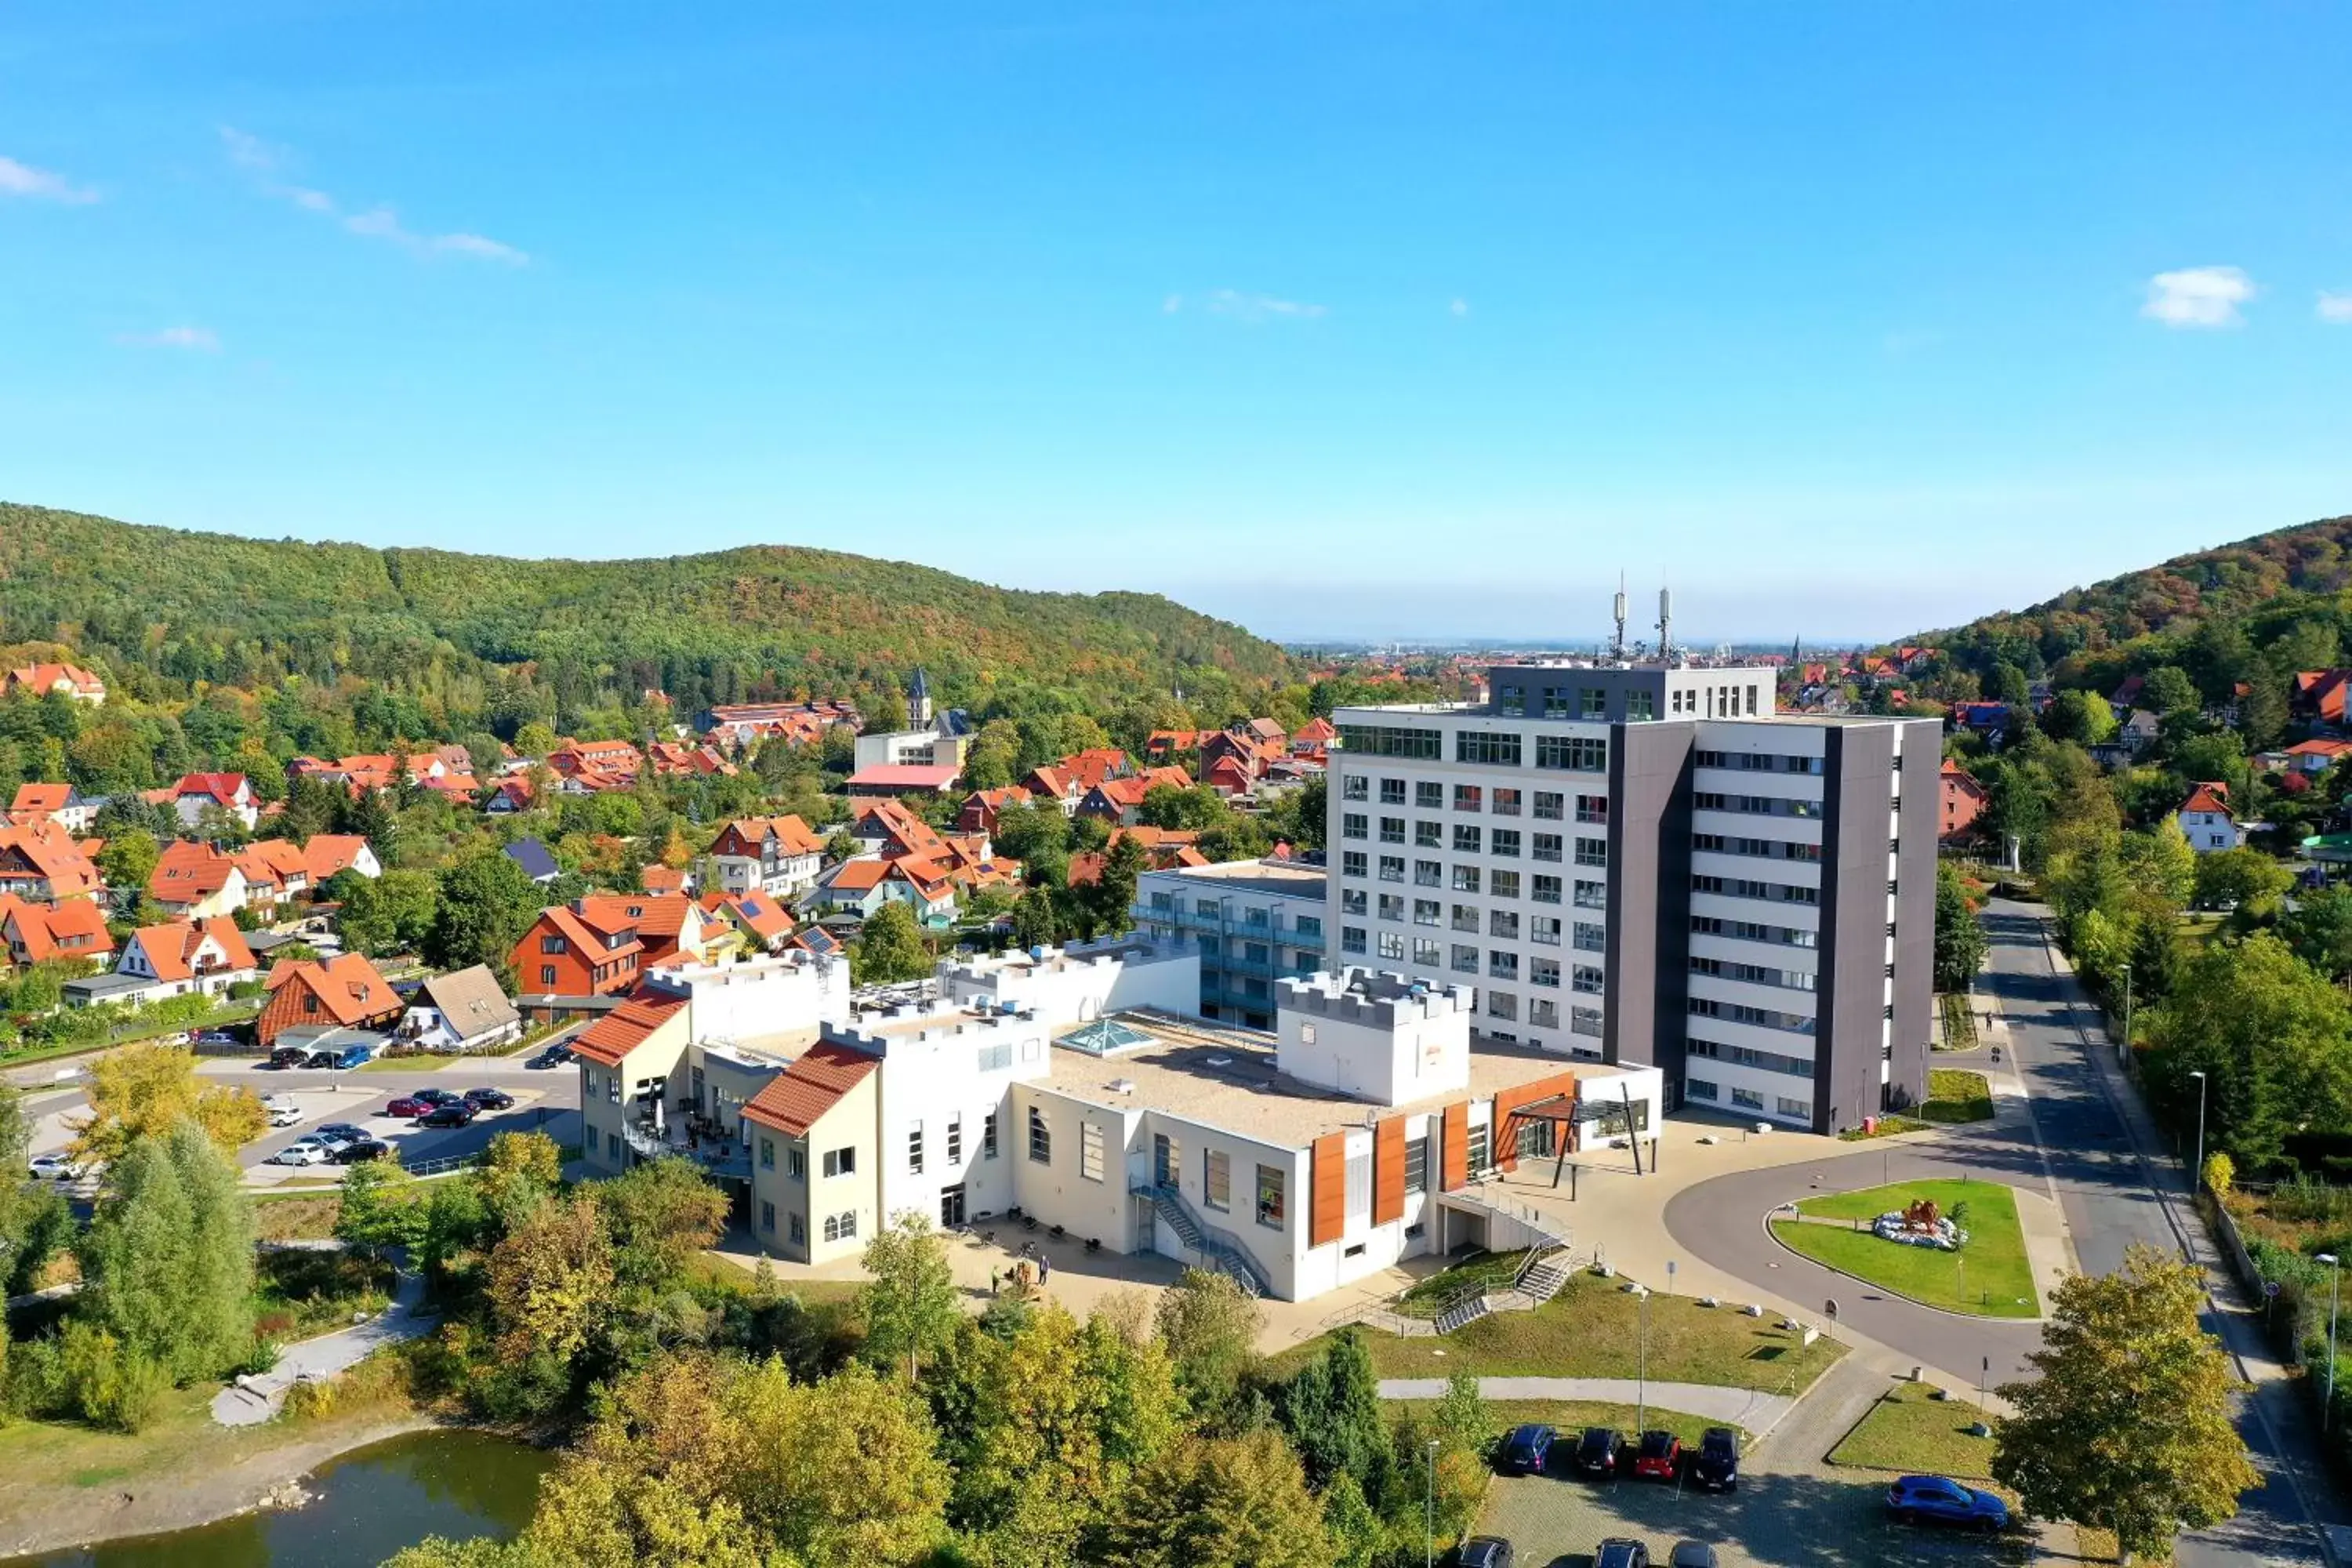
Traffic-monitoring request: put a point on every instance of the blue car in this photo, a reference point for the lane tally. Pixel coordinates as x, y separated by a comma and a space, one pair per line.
1939, 1500
1527, 1450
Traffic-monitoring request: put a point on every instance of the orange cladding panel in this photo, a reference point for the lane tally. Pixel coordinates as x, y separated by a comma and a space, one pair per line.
1454, 1166
1326, 1204
1388, 1170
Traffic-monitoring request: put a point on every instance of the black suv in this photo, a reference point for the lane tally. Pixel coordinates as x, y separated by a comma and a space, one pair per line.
1599, 1451
1717, 1465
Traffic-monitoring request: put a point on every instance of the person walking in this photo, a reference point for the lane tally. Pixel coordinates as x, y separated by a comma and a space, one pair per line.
1045, 1268
994, 1277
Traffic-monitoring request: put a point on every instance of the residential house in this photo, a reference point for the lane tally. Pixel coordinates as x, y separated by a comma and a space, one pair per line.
855, 887
341, 993
1312, 741
512, 793
67, 680
570, 952
2318, 695
779, 855
42, 933
2206, 819
800, 723
671, 759
275, 872
1961, 800
666, 925
593, 766
1164, 744
328, 854
1120, 800
654, 877
2317, 756
360, 775
180, 958
58, 803
193, 880
195, 793
982, 806
42, 863
461, 1011
538, 862
1981, 718
764, 924
888, 827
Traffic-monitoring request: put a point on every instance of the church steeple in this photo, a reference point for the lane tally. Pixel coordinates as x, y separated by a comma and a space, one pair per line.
918, 701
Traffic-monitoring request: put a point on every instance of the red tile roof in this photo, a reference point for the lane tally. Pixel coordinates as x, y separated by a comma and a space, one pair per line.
328, 853
74, 929
904, 775
623, 1030
2209, 798
171, 948
348, 987
797, 1099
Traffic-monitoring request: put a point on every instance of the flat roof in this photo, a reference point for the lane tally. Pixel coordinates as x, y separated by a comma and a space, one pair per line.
1275, 879
1226, 1078
777, 1048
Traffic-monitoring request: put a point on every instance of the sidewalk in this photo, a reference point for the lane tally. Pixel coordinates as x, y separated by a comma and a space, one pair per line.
252, 1400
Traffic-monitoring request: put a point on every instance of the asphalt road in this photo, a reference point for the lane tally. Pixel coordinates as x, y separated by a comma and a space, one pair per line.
2109, 1194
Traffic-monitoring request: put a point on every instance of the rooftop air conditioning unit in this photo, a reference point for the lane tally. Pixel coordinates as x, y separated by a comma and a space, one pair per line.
1122, 1086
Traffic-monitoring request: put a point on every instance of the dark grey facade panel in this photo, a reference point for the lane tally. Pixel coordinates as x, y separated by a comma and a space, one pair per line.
1858, 780
1914, 905
1648, 956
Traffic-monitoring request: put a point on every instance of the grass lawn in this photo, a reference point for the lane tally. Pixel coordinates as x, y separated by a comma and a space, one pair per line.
1591, 1328
1990, 1278
1910, 1433
1492, 1269
1959, 1022
1955, 1094
296, 1216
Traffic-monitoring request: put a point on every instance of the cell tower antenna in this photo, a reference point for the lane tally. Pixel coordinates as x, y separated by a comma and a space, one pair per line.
1617, 643
1666, 625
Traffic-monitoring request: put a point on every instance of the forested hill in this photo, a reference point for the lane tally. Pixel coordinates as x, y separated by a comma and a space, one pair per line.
2290, 585
755, 622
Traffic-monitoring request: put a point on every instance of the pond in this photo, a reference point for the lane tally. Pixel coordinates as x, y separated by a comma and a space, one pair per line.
369, 1504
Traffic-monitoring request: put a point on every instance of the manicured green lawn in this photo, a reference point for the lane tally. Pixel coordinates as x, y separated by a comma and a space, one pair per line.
1572, 1416
1910, 1433
1990, 1277
1955, 1094
1495, 1270
1593, 1329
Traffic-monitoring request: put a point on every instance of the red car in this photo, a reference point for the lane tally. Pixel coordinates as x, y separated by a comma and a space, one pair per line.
1660, 1459
408, 1105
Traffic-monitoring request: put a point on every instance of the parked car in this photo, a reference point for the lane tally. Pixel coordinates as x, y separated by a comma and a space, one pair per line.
1486, 1552
288, 1057
490, 1099
342, 1129
360, 1151
555, 1056
435, 1095
1939, 1500
1599, 1451
458, 1114
1526, 1449
1619, 1551
323, 1059
301, 1151
277, 1103
285, 1116
215, 1037
58, 1168
1692, 1554
1661, 1456
1716, 1467
355, 1056
409, 1105
338, 1140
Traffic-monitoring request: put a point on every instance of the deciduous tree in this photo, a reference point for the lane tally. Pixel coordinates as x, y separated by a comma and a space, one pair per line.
143, 1092
889, 948
910, 1305
2126, 1427
1238, 1501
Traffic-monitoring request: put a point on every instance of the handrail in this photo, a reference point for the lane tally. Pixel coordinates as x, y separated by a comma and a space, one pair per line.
1214, 1239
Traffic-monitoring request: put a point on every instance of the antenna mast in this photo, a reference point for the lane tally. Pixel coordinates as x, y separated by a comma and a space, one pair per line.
1617, 643
1666, 625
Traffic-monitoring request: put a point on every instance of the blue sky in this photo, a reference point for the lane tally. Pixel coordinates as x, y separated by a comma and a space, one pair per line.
1345, 319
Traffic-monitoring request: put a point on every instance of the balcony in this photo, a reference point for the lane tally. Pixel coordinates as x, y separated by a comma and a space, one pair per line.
723, 1158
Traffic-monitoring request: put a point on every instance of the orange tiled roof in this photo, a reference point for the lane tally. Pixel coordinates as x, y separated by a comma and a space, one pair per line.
171, 948
797, 1099
623, 1030
348, 987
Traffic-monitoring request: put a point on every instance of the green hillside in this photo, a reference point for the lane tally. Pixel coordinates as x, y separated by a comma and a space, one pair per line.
162, 608
2286, 596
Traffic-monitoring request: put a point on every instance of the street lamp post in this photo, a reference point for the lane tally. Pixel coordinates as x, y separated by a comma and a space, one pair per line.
1429, 1510
2335, 1295
1641, 1387
2197, 1175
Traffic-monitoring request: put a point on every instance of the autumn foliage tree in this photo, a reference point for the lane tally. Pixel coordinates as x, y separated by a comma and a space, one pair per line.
144, 1091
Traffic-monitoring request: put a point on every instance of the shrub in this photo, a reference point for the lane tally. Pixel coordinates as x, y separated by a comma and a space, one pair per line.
2305, 1200
2219, 1172
111, 1387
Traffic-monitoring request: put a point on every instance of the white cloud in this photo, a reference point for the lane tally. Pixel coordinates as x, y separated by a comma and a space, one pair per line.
24, 179
196, 339
379, 222
1241, 306
1459, 308
2198, 297
2336, 308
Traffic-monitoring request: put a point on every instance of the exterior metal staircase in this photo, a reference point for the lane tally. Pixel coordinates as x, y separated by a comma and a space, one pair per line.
1219, 1249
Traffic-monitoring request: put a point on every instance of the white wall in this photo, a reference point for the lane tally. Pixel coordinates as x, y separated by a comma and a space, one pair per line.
1069, 987
1057, 1192
761, 996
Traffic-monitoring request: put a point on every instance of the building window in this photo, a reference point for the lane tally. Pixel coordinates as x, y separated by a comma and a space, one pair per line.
796, 1164
768, 1157
1416, 1164
1572, 753
547, 975
796, 1230
1090, 1151
1427, 911
767, 1217
1041, 1139
1466, 879
1427, 795
1544, 930
1217, 1179
987, 1136
1392, 792
551, 944
1593, 851
1591, 938
915, 1150
1466, 959
1698, 1088
1592, 703
1503, 885
1543, 1011
1511, 701
1505, 842
1429, 873
1429, 835
1388, 740
1352, 939
1591, 895
840, 1161
1587, 979
1392, 945
1352, 901
1391, 829
1502, 1003
1309, 926
1493, 751
1355, 786
1504, 923
1643, 706
1480, 1160
1545, 890
1550, 806
1584, 1021
1270, 1183
1466, 838
1793, 1107
955, 1141
1352, 864
1391, 867
841, 1226
1391, 907
1505, 803
1746, 1097
1469, 797
1354, 824
1544, 972
1424, 951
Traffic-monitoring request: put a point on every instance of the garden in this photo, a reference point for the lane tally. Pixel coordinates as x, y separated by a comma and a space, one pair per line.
1988, 1276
